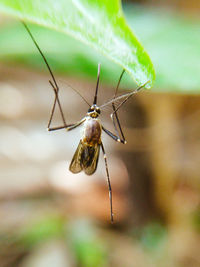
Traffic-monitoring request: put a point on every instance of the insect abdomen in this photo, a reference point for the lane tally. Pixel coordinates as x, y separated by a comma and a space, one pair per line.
92, 132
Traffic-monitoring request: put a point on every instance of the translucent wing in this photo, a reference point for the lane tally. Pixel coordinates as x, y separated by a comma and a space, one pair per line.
90, 159
76, 165
85, 158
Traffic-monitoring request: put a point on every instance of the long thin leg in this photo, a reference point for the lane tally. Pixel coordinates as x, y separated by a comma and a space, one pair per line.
113, 136
65, 126
54, 105
53, 84
109, 184
51, 114
68, 127
114, 115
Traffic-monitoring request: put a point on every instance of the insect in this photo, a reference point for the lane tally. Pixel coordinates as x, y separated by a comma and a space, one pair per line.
87, 153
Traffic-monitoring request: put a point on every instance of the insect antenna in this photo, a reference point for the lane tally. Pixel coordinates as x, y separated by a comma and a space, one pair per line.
97, 86
132, 93
123, 97
76, 91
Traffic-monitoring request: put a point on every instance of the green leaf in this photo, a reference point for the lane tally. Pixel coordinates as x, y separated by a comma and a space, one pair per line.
88, 247
42, 230
173, 42
99, 24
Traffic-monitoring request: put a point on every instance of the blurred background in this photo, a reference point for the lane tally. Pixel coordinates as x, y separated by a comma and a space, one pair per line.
51, 217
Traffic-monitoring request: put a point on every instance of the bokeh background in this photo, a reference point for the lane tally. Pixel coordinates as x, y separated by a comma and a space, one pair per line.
50, 217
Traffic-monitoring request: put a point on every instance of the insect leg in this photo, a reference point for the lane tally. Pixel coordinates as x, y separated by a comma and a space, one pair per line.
109, 184
113, 136
54, 105
53, 84
68, 127
114, 115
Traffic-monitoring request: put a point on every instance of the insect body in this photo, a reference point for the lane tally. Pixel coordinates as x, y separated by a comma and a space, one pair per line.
87, 153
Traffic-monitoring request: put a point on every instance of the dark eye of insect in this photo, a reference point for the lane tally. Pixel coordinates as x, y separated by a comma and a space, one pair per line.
98, 111
90, 110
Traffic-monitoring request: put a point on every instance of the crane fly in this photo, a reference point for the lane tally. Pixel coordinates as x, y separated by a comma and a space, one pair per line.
87, 153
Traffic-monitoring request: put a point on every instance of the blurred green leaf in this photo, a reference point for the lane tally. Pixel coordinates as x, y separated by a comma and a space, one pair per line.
154, 237
99, 24
172, 40
63, 53
88, 248
155, 243
42, 230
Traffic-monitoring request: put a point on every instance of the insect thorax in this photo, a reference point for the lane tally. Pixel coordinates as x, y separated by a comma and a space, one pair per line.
92, 131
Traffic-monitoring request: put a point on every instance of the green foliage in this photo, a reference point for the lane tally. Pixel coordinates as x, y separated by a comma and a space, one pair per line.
172, 40
88, 248
99, 24
42, 230
80, 236
154, 237
64, 54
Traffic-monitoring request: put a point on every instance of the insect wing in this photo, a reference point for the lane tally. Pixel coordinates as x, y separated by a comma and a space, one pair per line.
91, 160
76, 165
